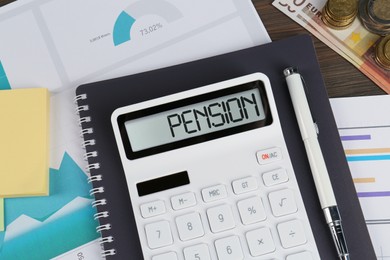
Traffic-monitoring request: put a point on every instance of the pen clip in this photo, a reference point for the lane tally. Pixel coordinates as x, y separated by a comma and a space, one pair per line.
294, 70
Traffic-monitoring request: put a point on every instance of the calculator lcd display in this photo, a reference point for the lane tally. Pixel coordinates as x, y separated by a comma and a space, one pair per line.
202, 116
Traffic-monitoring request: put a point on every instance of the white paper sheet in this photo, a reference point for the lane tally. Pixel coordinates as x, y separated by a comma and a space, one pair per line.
364, 127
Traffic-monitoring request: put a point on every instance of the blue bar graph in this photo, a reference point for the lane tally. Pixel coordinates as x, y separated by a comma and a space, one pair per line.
355, 137
368, 158
374, 194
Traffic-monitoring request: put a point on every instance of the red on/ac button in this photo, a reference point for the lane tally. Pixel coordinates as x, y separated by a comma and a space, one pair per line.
269, 155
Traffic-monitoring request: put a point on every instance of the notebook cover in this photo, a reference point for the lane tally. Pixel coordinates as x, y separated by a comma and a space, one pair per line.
105, 96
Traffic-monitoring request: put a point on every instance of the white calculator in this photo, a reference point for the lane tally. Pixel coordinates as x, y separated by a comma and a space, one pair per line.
210, 176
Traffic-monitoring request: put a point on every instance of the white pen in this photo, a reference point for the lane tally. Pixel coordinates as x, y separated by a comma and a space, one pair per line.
318, 168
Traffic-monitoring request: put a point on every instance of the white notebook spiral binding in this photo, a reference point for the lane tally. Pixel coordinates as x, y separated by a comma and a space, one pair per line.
94, 178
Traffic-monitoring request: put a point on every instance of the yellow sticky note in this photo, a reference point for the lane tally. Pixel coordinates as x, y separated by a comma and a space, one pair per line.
1, 214
24, 142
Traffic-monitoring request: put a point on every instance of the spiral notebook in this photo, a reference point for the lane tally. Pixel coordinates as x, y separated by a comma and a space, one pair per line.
97, 101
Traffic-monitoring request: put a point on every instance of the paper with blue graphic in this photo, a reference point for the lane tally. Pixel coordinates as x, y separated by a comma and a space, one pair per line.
364, 127
35, 222
128, 17
1, 214
41, 46
66, 183
4, 83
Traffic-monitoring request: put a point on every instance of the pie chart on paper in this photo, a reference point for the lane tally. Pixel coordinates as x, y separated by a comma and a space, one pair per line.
129, 16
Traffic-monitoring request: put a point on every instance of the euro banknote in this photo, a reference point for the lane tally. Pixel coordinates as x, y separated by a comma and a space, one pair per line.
355, 43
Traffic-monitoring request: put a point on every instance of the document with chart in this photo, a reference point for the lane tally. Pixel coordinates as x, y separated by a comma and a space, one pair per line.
60, 44
71, 42
364, 127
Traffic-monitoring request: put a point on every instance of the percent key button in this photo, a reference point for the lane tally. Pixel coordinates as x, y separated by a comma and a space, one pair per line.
251, 210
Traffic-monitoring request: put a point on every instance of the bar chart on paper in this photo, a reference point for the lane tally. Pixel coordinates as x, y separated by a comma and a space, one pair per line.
367, 148
368, 155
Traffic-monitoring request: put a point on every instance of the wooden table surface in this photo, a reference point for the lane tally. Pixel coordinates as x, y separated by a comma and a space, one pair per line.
341, 78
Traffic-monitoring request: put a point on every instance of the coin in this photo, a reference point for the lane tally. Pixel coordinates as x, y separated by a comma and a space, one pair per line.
379, 11
387, 49
382, 53
339, 14
373, 15
332, 23
342, 9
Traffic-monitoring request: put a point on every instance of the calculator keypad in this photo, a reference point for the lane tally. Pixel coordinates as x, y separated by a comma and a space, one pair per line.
251, 210
189, 226
275, 177
229, 248
270, 155
213, 213
282, 202
183, 201
299, 256
260, 241
214, 193
220, 218
165, 256
159, 234
197, 252
291, 233
153, 208
244, 185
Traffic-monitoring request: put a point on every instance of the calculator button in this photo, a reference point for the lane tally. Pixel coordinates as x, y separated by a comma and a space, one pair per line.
260, 241
214, 193
291, 233
183, 201
152, 209
229, 248
220, 218
282, 202
189, 226
251, 210
269, 155
244, 185
158, 234
299, 256
166, 256
197, 252
275, 177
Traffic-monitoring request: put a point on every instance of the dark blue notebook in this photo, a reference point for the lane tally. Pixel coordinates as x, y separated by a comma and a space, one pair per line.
104, 97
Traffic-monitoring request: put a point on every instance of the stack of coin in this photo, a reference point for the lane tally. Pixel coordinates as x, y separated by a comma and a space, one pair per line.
375, 15
382, 52
339, 14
